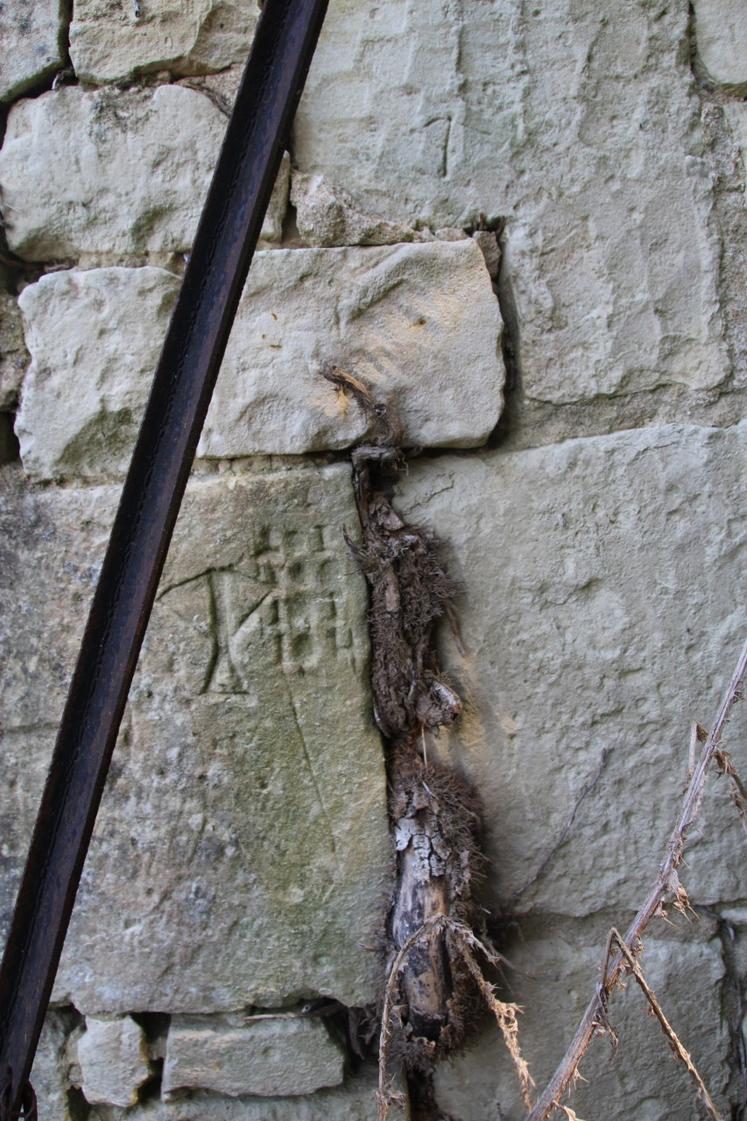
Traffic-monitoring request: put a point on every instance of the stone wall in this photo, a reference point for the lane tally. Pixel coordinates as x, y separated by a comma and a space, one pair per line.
523, 227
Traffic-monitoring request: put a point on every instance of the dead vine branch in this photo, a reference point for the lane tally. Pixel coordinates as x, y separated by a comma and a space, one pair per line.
461, 940
678, 1048
667, 886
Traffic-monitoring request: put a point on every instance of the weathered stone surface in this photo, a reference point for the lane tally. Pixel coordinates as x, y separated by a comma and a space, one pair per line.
328, 216
115, 39
272, 227
113, 1060
354, 1101
418, 323
95, 337
111, 173
272, 1057
601, 614
13, 354
241, 854
721, 36
50, 1072
736, 116
557, 969
32, 47
565, 119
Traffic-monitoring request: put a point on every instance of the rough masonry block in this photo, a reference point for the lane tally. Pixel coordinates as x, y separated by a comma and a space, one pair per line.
111, 40
241, 855
32, 43
112, 173
721, 36
113, 1060
273, 1057
418, 323
601, 614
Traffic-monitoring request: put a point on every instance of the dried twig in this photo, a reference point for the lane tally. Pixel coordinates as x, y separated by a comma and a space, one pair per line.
667, 884
570, 1113
505, 1015
676, 1044
738, 788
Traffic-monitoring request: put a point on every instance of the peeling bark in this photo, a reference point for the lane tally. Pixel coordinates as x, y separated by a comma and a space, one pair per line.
435, 816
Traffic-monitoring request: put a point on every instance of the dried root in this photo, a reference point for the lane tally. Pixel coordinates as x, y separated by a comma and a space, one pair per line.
436, 822
409, 593
435, 988
461, 944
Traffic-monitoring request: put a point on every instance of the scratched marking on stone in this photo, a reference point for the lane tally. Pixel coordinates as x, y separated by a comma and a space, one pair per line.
282, 603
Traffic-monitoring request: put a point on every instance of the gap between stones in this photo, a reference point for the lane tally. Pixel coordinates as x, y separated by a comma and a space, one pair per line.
733, 1010
435, 927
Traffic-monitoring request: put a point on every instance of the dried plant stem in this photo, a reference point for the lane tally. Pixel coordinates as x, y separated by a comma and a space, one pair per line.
506, 1018
667, 883
680, 1051
738, 788
570, 1113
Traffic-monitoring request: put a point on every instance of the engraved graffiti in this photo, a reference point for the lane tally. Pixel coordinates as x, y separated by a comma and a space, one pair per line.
281, 605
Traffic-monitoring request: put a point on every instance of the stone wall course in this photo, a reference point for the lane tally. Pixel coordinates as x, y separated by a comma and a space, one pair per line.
418, 324
32, 44
354, 1101
564, 121
481, 201
241, 855
112, 174
114, 40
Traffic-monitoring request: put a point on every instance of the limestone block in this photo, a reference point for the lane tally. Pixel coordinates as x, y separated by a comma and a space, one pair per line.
241, 855
557, 969
418, 323
565, 119
32, 43
328, 216
13, 354
113, 1060
721, 36
271, 1057
601, 607
354, 1101
112, 173
111, 40
95, 337
51, 1069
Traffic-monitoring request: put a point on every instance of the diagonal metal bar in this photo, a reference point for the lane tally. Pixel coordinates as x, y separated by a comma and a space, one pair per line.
284, 42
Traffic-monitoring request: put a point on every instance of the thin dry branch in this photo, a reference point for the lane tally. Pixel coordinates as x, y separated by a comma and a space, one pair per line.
676, 1044
570, 1113
738, 788
667, 885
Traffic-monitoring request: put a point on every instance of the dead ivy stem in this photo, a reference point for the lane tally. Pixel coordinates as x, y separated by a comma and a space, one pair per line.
667, 883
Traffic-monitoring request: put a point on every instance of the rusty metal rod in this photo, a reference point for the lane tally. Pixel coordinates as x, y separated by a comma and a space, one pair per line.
284, 43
